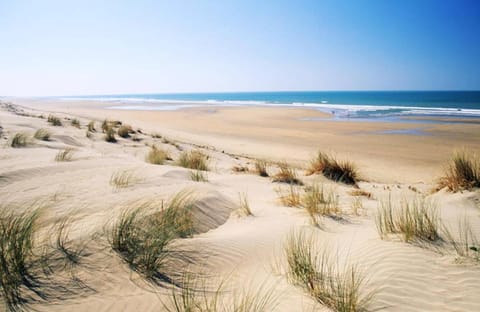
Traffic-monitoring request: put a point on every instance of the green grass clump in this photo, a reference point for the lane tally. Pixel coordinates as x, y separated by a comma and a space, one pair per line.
75, 122
55, 121
124, 131
462, 172
319, 202
261, 167
42, 134
333, 169
198, 176
65, 155
144, 239
415, 220
157, 156
193, 160
340, 288
286, 175
19, 140
110, 135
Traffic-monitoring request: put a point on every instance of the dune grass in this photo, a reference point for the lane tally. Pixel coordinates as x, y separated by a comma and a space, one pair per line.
320, 201
65, 155
360, 192
91, 126
286, 174
16, 253
63, 244
290, 197
19, 140
193, 160
75, 122
110, 135
415, 220
239, 168
124, 131
123, 178
357, 205
55, 121
157, 156
333, 169
42, 134
465, 243
244, 206
461, 173
143, 238
340, 288
261, 167
198, 176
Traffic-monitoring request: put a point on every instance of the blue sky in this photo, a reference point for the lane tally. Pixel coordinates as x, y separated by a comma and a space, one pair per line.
113, 47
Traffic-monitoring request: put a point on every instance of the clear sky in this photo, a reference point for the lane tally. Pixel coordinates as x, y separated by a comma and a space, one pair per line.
111, 47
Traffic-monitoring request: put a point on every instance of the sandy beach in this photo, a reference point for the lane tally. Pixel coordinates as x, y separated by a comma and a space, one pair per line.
244, 251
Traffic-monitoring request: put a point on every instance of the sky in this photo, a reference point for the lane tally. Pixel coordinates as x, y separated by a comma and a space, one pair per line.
86, 47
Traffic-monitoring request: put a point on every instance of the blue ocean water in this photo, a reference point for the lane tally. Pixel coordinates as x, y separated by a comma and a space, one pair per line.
351, 104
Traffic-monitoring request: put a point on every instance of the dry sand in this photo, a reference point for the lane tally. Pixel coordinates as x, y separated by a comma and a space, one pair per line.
247, 250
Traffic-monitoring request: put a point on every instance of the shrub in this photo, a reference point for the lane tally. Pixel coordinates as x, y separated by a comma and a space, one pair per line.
415, 220
42, 134
65, 155
462, 172
261, 167
76, 123
19, 140
55, 121
157, 156
338, 171
340, 288
110, 135
286, 175
124, 131
193, 160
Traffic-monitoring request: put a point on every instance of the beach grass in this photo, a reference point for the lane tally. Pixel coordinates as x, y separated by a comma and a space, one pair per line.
465, 243
244, 206
42, 134
75, 122
320, 201
123, 178
194, 159
286, 174
157, 156
54, 120
261, 167
91, 126
415, 220
124, 131
110, 135
290, 197
462, 172
19, 140
198, 176
340, 288
65, 155
333, 169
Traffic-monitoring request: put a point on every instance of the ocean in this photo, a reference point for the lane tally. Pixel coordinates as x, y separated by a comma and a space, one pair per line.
343, 104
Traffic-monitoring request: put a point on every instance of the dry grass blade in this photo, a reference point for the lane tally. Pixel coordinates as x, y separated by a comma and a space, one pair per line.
286, 175
42, 134
65, 155
338, 171
462, 172
193, 160
157, 156
19, 140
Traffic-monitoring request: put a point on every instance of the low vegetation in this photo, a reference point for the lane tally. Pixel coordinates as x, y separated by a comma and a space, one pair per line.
198, 176
142, 235
110, 135
465, 243
340, 288
244, 206
286, 174
320, 201
19, 140
415, 220
193, 160
333, 169
290, 197
65, 155
360, 192
123, 178
76, 123
124, 131
261, 167
55, 121
461, 173
157, 156
42, 134
91, 126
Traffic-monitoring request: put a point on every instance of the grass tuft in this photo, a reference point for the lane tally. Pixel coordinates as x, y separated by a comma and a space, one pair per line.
244, 206
462, 172
55, 121
340, 288
338, 171
286, 175
91, 126
465, 243
290, 197
157, 156
110, 135
415, 220
19, 140
198, 176
42, 134
124, 131
320, 202
76, 123
261, 167
194, 160
123, 178
65, 155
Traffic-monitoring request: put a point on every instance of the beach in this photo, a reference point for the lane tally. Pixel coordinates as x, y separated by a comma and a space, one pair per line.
245, 250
